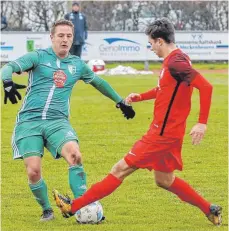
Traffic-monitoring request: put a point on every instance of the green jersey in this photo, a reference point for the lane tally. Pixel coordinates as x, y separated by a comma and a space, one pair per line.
50, 84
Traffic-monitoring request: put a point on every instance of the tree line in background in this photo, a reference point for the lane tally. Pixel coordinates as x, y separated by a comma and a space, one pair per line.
118, 15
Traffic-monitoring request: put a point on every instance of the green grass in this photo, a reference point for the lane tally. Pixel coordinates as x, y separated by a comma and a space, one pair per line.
157, 65
105, 136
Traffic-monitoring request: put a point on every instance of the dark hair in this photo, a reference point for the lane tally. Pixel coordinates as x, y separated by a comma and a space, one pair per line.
161, 28
61, 22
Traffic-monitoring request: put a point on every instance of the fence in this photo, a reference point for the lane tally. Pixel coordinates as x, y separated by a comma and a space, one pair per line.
126, 46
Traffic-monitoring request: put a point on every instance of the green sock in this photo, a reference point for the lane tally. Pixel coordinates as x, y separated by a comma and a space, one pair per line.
40, 192
77, 180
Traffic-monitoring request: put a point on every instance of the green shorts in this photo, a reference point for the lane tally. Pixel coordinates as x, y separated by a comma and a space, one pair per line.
30, 138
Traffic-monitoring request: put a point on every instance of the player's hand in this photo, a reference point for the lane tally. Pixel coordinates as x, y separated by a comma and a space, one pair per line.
133, 97
10, 90
126, 109
198, 132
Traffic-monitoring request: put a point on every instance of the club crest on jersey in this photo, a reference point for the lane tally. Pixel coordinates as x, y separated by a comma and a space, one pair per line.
59, 78
72, 69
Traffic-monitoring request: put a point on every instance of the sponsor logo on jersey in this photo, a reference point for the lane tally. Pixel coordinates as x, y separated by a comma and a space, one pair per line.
59, 78
155, 125
131, 153
72, 69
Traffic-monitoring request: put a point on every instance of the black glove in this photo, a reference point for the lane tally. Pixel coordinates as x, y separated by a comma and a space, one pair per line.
127, 110
10, 90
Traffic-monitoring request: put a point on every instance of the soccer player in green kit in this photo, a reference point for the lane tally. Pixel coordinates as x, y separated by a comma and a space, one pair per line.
43, 118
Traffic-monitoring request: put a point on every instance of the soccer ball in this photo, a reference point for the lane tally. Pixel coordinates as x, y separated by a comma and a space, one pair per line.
96, 65
90, 214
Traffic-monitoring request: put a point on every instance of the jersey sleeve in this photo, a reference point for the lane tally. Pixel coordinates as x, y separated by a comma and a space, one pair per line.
151, 94
181, 69
24, 63
105, 88
205, 92
87, 75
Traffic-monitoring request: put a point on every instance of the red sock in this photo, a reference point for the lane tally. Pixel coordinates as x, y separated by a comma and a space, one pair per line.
186, 193
96, 192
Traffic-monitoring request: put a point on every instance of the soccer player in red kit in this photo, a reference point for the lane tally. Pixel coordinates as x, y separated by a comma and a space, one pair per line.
160, 148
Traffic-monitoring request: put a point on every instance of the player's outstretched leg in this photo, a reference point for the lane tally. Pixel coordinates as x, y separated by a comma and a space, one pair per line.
63, 203
215, 215
96, 192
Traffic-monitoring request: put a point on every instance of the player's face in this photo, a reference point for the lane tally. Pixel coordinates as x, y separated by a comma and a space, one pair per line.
62, 40
156, 46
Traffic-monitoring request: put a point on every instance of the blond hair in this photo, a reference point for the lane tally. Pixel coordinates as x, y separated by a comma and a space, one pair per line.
61, 22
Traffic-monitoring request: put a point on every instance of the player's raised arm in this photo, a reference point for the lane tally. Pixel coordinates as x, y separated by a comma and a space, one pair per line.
88, 76
24, 63
181, 69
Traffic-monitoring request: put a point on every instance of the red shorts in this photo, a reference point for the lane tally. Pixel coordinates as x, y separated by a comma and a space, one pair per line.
158, 153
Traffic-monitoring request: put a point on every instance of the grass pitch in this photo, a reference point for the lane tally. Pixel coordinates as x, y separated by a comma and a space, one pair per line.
105, 136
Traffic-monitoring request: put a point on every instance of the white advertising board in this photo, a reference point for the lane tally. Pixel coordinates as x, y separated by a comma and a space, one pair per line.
112, 46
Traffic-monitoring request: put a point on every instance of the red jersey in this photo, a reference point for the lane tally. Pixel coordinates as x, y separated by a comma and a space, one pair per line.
173, 96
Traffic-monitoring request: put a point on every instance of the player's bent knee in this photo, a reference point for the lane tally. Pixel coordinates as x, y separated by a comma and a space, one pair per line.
34, 174
74, 158
162, 183
159, 183
121, 170
115, 170
71, 153
163, 179
118, 174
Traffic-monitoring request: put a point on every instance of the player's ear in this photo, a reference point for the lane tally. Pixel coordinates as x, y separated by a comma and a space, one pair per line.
161, 41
